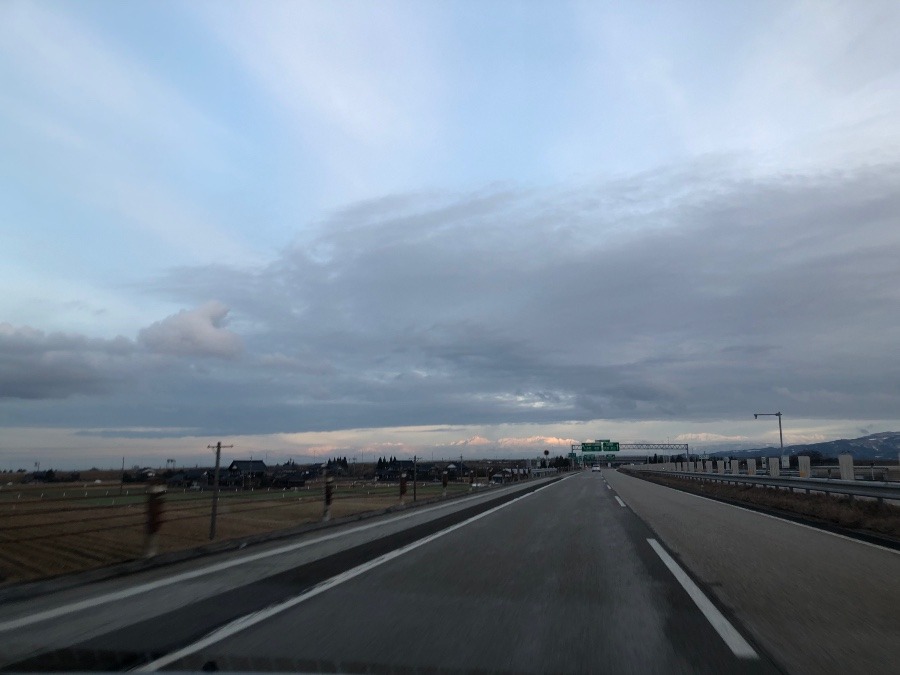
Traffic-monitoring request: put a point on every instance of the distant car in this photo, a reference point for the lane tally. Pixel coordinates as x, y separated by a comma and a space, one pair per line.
595, 468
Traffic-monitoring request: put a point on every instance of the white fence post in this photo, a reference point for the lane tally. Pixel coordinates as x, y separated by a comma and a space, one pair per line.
846, 464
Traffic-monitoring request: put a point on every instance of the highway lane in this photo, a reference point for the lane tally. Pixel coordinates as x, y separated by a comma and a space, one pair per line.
818, 603
564, 580
60, 616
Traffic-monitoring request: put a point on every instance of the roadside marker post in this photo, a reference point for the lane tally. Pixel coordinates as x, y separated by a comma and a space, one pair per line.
155, 494
329, 496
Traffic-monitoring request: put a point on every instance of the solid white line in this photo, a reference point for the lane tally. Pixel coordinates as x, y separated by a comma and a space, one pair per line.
90, 603
789, 522
738, 645
244, 622
621, 503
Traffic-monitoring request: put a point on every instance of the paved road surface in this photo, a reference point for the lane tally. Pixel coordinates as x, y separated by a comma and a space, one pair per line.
817, 602
561, 580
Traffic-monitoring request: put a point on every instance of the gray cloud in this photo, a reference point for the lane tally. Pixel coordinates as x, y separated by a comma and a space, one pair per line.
37, 365
690, 293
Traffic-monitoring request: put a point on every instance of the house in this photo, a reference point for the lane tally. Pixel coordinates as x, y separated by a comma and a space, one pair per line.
456, 472
391, 470
246, 472
248, 467
190, 478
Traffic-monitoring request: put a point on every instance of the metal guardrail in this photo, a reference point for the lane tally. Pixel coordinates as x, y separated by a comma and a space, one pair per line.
873, 489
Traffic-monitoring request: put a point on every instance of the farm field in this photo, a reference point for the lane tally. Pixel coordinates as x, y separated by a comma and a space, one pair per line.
52, 529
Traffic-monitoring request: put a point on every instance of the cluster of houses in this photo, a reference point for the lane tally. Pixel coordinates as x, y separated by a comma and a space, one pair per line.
245, 473
254, 473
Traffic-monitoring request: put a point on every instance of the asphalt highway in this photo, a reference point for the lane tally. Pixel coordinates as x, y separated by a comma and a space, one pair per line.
817, 602
563, 581
555, 577
590, 574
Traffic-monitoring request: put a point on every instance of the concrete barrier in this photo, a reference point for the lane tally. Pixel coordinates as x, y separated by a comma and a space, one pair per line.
735, 467
751, 467
846, 464
803, 461
721, 463
774, 467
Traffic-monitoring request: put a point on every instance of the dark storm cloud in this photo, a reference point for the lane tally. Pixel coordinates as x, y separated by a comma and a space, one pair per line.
687, 293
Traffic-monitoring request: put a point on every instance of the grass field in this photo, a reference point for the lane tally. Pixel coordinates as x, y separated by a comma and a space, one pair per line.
47, 530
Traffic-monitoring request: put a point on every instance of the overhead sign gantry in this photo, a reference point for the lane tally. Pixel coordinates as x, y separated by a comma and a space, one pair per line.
589, 449
597, 446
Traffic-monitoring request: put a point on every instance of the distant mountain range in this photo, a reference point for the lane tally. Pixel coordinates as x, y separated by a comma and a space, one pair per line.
884, 445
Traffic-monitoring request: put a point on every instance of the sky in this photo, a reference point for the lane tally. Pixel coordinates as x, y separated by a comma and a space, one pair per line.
358, 229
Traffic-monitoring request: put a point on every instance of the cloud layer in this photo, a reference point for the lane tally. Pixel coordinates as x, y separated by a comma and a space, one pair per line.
688, 293
309, 218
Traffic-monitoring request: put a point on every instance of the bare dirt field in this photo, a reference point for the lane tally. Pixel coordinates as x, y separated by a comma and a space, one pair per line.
47, 530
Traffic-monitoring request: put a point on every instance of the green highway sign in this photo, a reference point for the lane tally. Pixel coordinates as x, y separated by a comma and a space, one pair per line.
610, 457
600, 446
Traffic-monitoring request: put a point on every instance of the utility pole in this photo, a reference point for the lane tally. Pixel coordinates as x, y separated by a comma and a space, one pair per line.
122, 478
215, 503
415, 477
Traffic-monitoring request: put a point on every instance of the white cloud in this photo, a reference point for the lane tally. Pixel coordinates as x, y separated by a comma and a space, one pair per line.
195, 332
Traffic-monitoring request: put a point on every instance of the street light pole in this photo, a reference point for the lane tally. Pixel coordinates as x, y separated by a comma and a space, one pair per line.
780, 435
